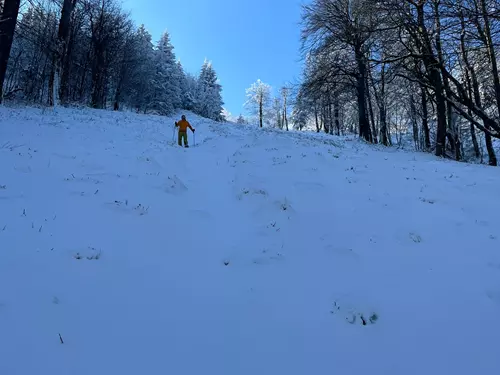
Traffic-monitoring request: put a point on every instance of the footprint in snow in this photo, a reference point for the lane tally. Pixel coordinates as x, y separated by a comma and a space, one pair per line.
356, 313
90, 253
429, 201
284, 205
415, 237
245, 193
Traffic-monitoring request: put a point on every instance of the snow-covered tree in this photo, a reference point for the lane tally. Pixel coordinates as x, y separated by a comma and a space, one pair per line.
209, 94
258, 99
241, 120
167, 78
189, 92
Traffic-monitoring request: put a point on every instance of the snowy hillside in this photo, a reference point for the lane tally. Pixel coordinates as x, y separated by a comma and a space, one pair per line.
254, 252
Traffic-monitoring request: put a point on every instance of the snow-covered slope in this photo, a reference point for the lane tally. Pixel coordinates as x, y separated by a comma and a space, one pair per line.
254, 252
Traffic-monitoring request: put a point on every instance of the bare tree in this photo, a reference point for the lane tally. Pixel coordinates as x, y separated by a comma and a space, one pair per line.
429, 66
330, 26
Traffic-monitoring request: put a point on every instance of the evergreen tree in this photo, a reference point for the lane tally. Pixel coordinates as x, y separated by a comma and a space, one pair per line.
189, 87
167, 78
209, 98
241, 120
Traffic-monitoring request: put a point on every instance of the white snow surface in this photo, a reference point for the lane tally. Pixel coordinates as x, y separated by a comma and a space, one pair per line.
253, 252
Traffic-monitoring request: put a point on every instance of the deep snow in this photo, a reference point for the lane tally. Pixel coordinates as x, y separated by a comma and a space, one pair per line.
254, 252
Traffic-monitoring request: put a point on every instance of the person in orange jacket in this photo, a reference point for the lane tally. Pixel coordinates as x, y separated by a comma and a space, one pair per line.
183, 126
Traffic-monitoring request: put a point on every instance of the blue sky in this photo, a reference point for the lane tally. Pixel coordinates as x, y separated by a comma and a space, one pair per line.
245, 39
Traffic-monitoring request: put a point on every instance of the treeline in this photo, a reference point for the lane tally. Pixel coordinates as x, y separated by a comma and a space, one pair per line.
425, 65
89, 52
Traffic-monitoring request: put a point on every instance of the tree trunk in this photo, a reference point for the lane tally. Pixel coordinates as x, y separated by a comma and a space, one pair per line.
425, 119
8, 21
473, 135
433, 69
98, 79
286, 120
364, 126
458, 143
330, 114
413, 114
281, 119
380, 100
374, 138
318, 127
449, 112
441, 112
52, 78
336, 113
261, 112
383, 125
491, 151
474, 140
63, 49
324, 115
468, 78
116, 104
285, 108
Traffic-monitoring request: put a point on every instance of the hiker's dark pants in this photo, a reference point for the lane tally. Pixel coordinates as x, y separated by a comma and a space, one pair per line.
183, 135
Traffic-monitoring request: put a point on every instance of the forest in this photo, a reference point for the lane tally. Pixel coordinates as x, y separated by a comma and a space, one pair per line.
90, 53
380, 68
